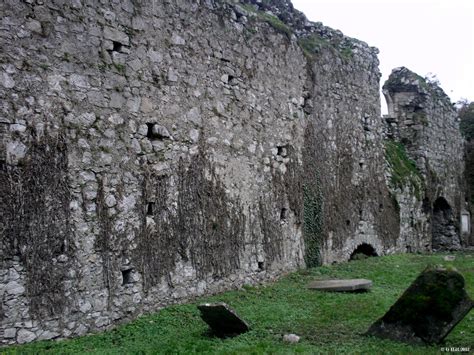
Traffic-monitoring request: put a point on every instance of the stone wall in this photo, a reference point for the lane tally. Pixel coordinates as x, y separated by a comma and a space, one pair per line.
424, 123
156, 151
150, 156
358, 208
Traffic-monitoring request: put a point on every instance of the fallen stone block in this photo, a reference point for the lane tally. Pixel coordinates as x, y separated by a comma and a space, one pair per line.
351, 285
428, 310
222, 319
291, 338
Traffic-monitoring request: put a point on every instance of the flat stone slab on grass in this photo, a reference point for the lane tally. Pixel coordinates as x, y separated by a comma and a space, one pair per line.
351, 285
428, 310
222, 319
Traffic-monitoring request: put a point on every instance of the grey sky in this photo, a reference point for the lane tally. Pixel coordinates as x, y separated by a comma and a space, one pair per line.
426, 36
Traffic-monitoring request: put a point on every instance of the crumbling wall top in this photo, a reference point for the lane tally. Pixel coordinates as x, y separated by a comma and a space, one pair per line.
297, 22
404, 80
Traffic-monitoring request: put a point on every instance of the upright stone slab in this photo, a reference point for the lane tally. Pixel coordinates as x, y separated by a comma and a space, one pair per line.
222, 319
428, 310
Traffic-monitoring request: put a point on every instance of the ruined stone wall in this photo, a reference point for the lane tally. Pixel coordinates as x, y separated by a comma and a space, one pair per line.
358, 208
150, 153
423, 122
156, 151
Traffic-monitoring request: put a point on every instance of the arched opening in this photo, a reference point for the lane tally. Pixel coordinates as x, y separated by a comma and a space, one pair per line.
444, 235
363, 251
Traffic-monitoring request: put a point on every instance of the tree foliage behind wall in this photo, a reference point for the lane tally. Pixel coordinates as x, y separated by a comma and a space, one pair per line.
466, 114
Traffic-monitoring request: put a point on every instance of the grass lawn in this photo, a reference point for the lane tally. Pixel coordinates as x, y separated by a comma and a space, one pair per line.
327, 322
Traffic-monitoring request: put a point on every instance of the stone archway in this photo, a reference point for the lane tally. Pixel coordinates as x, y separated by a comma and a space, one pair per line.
443, 227
363, 251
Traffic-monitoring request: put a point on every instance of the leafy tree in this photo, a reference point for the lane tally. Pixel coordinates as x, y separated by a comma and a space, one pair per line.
466, 114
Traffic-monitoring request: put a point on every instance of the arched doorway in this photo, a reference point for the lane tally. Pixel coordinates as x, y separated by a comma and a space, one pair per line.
363, 251
444, 234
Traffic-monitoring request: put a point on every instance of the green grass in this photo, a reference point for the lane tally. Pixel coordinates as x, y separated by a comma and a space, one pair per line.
276, 23
327, 322
272, 20
314, 44
404, 170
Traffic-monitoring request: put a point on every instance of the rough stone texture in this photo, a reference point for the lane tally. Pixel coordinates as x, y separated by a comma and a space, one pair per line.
168, 125
351, 285
350, 161
428, 310
155, 151
422, 118
222, 319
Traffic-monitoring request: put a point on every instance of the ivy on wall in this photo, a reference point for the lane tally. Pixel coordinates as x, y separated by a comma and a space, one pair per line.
313, 212
313, 223
403, 170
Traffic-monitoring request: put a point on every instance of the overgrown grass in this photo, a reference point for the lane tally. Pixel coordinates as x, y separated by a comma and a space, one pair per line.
404, 170
327, 322
272, 20
276, 23
314, 43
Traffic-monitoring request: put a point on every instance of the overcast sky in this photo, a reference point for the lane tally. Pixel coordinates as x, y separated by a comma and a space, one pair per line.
426, 36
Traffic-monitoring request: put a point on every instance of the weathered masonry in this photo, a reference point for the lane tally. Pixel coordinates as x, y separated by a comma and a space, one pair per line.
426, 156
154, 151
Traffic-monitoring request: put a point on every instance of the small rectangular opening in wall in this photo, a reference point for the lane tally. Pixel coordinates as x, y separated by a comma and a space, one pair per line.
261, 265
149, 132
117, 46
127, 276
150, 208
283, 214
282, 151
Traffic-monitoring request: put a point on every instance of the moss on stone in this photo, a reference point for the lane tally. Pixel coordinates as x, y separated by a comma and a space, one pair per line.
434, 295
276, 23
314, 43
272, 20
403, 169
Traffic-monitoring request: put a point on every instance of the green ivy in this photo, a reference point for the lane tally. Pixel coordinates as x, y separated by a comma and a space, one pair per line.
403, 169
312, 224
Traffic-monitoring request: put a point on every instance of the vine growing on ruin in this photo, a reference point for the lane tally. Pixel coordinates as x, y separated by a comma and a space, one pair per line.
201, 224
313, 223
34, 200
313, 212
